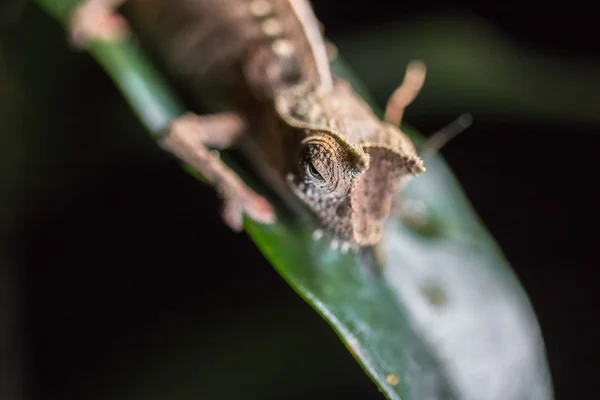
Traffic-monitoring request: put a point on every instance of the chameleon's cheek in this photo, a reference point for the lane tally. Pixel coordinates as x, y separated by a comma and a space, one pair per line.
323, 206
295, 184
302, 189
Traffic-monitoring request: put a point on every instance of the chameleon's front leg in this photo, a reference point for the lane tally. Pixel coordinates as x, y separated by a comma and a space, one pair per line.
96, 19
188, 137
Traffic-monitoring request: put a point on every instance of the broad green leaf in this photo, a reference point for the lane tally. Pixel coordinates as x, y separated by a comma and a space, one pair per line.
445, 319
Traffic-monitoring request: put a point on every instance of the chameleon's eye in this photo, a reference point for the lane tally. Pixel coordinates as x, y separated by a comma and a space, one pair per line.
317, 172
317, 165
314, 172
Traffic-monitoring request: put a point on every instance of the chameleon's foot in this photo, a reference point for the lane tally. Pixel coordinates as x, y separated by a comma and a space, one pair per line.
94, 20
249, 203
188, 137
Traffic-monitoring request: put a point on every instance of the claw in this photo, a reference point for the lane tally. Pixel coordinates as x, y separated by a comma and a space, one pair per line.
256, 207
92, 21
260, 210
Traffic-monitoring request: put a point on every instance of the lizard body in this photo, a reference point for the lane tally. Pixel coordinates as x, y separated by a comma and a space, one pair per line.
265, 65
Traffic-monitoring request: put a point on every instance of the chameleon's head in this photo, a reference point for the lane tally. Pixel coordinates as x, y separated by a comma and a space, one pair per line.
349, 187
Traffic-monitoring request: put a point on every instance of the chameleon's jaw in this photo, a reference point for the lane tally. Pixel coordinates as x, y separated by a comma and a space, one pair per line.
333, 213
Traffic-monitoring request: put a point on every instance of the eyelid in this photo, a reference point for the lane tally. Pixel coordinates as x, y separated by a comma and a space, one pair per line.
318, 175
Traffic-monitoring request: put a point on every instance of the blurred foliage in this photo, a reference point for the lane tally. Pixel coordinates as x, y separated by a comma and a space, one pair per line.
474, 67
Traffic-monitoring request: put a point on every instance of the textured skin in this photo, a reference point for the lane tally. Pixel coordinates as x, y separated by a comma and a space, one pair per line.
307, 131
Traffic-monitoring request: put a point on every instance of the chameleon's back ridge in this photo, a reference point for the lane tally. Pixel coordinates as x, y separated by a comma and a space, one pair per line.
227, 43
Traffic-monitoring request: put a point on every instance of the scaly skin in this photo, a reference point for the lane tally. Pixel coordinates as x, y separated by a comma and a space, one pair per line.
265, 64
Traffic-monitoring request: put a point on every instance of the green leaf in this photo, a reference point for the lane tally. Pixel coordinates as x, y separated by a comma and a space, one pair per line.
445, 319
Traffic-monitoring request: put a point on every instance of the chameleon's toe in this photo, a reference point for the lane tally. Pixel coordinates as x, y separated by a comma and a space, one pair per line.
259, 210
90, 22
255, 206
233, 214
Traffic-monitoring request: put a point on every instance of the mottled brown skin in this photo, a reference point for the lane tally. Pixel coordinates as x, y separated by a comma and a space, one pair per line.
264, 62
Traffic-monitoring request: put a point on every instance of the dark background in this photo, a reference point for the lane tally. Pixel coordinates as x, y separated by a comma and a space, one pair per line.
108, 241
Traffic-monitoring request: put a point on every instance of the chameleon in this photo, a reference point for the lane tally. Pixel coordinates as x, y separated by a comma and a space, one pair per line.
264, 67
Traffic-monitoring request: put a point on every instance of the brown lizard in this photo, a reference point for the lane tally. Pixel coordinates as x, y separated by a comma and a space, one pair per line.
266, 67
